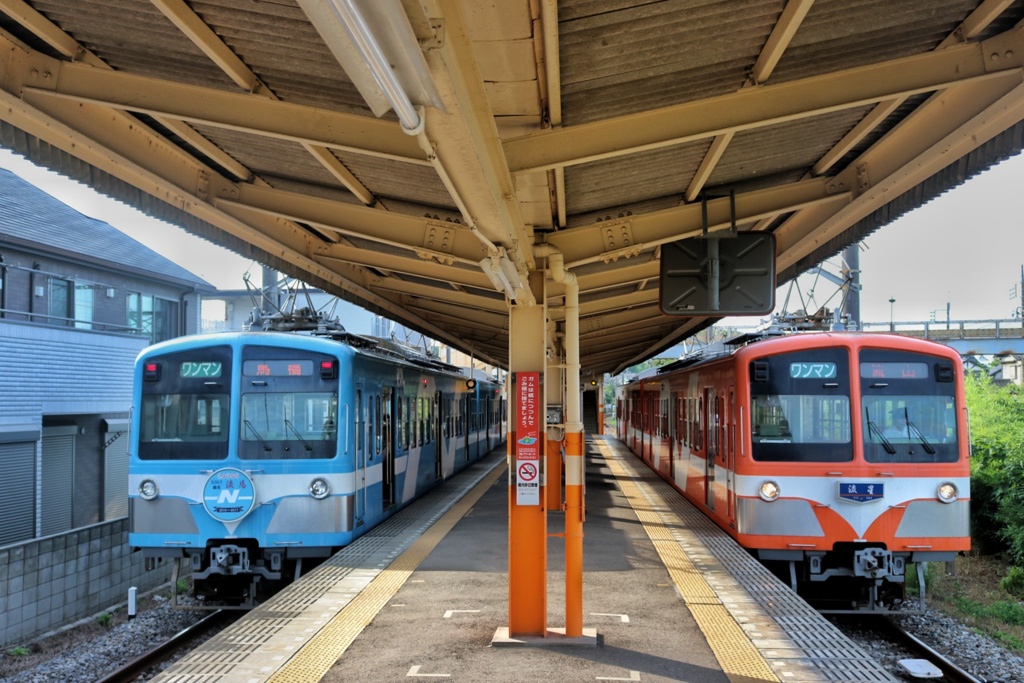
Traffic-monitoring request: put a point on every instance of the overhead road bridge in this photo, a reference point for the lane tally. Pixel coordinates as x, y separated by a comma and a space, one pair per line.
968, 337
504, 176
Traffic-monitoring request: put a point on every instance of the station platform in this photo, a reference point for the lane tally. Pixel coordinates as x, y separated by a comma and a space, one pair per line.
422, 597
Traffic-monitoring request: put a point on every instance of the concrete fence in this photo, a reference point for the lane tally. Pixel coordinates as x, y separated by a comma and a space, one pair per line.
50, 582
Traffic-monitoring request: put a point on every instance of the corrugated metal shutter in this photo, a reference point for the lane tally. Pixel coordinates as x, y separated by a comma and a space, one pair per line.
57, 492
115, 475
17, 505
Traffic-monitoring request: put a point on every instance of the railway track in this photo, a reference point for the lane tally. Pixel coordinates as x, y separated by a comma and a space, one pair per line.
166, 650
950, 671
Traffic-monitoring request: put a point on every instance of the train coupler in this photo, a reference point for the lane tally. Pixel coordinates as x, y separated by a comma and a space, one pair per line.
876, 563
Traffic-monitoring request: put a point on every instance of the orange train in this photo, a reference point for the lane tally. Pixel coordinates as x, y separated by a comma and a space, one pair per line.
840, 460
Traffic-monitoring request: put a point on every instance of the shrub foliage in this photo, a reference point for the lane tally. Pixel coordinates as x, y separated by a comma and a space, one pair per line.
997, 467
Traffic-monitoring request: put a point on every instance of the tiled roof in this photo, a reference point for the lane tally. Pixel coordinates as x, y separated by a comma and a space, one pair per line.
31, 217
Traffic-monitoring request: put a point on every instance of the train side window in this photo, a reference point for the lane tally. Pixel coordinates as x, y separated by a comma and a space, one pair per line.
419, 421
410, 419
377, 423
370, 426
430, 419
699, 425
400, 407
359, 420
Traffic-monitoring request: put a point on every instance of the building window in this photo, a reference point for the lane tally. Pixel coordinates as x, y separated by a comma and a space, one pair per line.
83, 304
152, 317
59, 308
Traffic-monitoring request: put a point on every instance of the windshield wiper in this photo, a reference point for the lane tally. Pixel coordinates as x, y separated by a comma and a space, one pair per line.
912, 428
288, 425
873, 430
257, 435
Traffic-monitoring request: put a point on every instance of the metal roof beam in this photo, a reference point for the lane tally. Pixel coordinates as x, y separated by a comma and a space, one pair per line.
473, 302
597, 325
444, 241
404, 264
465, 137
942, 130
686, 329
193, 26
477, 319
235, 111
762, 106
614, 239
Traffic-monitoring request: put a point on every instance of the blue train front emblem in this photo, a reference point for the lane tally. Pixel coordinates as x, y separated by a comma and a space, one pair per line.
861, 492
229, 495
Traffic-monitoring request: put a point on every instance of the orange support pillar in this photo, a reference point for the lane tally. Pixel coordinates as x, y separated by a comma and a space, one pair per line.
574, 514
528, 531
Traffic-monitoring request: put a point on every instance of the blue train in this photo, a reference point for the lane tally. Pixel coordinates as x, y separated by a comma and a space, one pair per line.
255, 452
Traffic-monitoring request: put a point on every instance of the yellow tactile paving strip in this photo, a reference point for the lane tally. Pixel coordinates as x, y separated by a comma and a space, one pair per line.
320, 653
739, 658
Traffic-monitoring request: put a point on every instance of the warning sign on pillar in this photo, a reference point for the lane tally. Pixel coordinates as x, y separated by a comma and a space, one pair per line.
528, 427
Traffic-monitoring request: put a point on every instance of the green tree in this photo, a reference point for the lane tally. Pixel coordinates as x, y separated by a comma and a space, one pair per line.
997, 468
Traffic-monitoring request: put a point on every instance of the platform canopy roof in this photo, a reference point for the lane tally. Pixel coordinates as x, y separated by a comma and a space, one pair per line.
529, 132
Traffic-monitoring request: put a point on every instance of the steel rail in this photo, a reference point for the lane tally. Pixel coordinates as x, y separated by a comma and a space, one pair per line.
950, 671
131, 670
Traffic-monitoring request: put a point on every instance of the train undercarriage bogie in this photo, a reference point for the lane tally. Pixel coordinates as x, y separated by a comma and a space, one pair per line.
854, 578
238, 574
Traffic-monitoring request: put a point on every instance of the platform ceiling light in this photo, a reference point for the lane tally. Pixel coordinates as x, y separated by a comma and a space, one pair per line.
375, 44
502, 273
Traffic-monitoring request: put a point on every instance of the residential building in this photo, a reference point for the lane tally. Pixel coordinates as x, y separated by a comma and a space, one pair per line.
78, 301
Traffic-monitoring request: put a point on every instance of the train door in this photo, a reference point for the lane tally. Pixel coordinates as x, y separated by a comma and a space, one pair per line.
360, 459
730, 455
488, 420
386, 424
649, 428
710, 445
439, 441
670, 417
463, 428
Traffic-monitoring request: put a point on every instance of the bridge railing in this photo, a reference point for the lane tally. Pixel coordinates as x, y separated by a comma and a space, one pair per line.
1006, 328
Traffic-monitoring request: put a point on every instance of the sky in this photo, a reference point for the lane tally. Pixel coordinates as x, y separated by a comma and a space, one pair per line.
964, 248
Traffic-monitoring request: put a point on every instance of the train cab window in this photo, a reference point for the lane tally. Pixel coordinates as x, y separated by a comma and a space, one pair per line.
185, 405
908, 408
800, 407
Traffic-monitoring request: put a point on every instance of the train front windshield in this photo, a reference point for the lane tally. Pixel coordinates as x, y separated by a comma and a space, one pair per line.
908, 407
186, 402
801, 409
288, 405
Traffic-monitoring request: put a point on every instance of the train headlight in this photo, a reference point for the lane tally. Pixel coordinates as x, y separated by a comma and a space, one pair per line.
769, 491
948, 492
319, 488
148, 489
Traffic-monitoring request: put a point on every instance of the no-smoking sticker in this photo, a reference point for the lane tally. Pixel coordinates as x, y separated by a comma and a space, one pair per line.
527, 482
